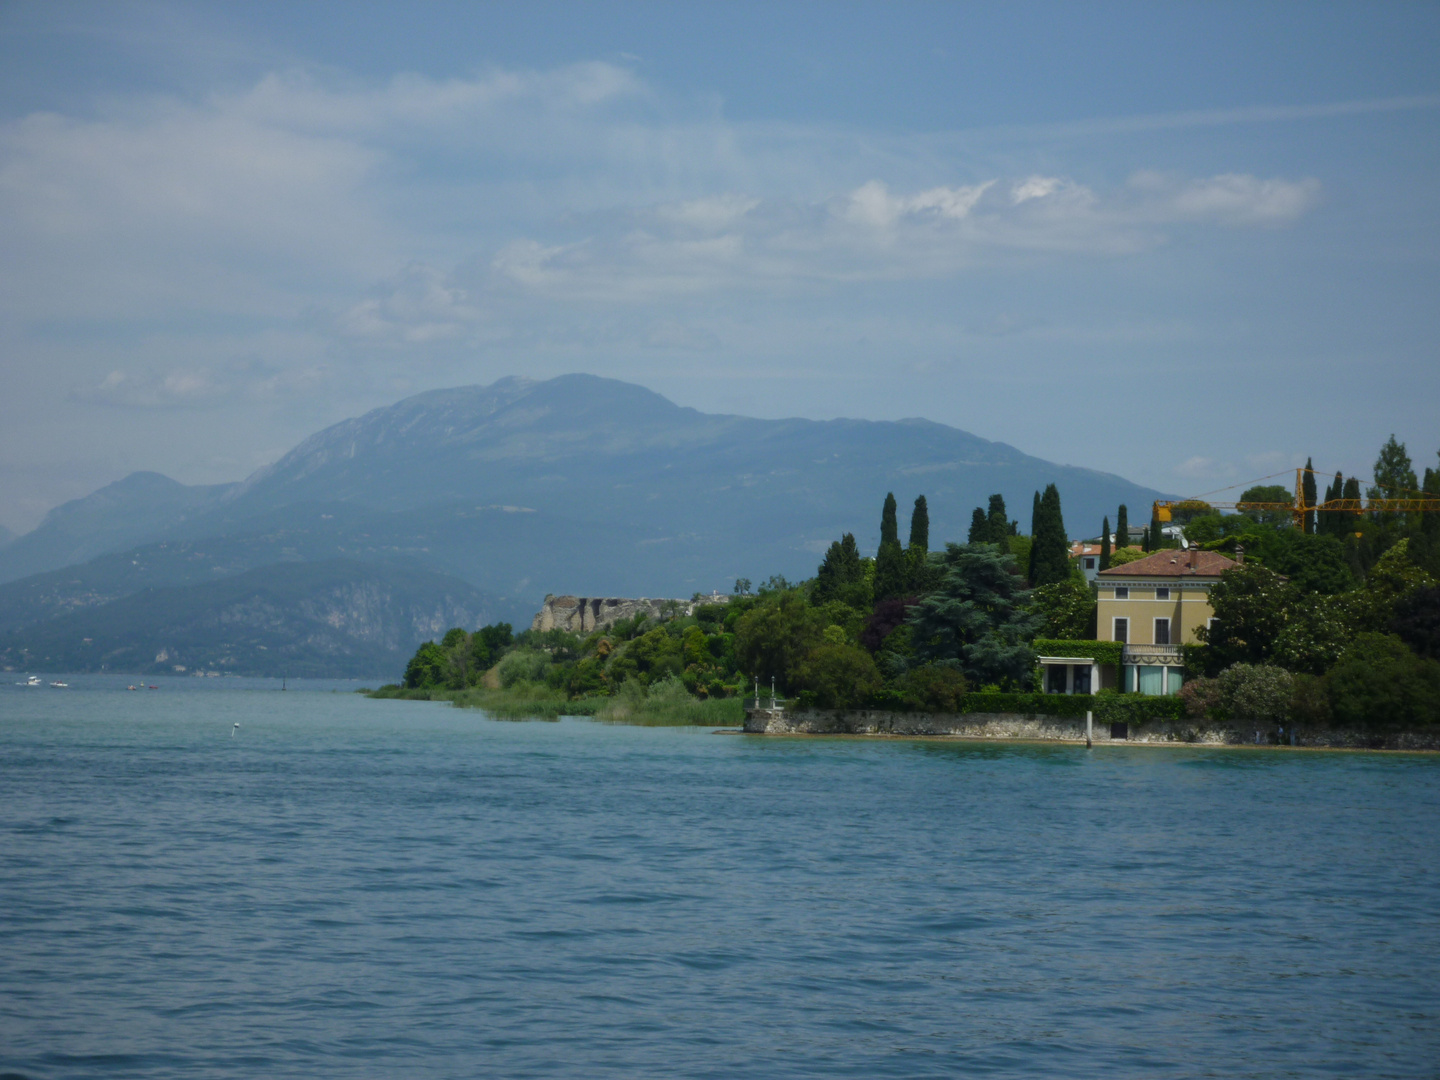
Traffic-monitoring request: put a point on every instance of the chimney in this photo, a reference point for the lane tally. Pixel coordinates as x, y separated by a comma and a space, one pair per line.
1240, 554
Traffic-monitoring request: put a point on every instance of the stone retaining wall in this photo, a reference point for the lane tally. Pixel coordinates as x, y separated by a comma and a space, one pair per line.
1067, 729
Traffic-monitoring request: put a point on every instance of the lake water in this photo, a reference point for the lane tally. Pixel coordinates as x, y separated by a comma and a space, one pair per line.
352, 888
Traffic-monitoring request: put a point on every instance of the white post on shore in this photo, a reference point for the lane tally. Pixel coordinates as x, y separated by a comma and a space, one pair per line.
1089, 727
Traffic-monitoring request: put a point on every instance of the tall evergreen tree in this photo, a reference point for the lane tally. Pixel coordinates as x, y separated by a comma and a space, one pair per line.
979, 616
889, 526
979, 527
920, 526
1034, 524
998, 524
1308, 489
839, 573
892, 571
1122, 528
1105, 545
1050, 547
1328, 524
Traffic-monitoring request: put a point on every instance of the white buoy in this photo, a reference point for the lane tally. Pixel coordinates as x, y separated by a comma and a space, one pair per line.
232, 729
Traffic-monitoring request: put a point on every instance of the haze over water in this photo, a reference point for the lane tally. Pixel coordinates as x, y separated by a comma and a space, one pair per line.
355, 888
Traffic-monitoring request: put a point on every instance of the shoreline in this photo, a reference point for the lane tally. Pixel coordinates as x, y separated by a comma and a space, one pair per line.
1024, 727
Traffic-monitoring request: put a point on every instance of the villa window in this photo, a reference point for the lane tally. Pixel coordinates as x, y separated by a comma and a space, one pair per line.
1162, 631
1122, 630
1089, 564
1122, 592
1162, 594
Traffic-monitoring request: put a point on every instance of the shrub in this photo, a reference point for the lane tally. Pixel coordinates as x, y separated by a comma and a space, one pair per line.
840, 676
1257, 692
1201, 697
522, 665
934, 688
1381, 682
1134, 709
1309, 702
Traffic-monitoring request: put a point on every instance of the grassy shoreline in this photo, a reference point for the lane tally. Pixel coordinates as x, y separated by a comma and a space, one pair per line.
538, 703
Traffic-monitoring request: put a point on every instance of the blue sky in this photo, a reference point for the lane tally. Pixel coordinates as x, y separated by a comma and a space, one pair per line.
1191, 244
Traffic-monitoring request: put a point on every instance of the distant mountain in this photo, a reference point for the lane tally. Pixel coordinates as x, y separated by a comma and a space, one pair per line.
332, 618
573, 485
6, 537
144, 505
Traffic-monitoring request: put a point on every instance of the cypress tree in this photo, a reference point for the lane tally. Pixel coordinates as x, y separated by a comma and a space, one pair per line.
891, 571
1348, 521
999, 524
920, 526
1155, 537
979, 527
1050, 548
1105, 545
1334, 519
839, 572
1034, 535
1308, 490
1122, 528
889, 526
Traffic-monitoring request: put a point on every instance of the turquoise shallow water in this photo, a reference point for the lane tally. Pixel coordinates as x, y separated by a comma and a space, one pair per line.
354, 888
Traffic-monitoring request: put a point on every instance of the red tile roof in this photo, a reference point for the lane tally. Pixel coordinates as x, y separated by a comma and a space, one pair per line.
1174, 563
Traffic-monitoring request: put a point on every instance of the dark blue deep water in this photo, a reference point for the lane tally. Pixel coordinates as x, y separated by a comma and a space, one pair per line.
355, 888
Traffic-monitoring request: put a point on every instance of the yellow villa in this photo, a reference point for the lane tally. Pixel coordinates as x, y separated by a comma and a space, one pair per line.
1153, 606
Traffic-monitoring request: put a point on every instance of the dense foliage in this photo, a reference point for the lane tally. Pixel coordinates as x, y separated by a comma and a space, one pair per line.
1318, 625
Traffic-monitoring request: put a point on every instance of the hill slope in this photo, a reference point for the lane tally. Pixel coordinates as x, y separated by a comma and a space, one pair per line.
331, 618
577, 484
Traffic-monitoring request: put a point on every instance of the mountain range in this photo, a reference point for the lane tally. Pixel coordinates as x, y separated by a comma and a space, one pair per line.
577, 484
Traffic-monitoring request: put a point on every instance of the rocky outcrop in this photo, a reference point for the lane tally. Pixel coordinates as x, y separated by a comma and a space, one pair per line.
584, 614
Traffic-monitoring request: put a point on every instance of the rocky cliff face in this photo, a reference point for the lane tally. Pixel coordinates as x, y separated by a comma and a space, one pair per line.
583, 614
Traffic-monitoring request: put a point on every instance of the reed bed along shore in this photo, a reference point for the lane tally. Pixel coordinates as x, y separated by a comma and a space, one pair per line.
662, 707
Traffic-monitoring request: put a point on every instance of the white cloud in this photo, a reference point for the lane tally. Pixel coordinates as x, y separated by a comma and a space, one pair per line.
1236, 199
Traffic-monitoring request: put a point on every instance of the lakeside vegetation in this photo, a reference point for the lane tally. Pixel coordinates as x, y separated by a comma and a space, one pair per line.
1334, 622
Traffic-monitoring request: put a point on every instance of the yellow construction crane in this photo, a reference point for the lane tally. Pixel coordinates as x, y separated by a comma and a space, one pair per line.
1421, 502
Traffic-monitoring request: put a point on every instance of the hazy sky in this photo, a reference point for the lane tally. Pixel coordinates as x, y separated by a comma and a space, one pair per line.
1190, 244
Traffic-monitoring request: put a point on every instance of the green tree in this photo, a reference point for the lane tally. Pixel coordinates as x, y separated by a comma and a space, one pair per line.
1257, 692
841, 576
892, 571
1065, 609
920, 526
488, 643
772, 637
1105, 545
1314, 564
1122, 528
836, 676
939, 687
917, 553
1268, 493
998, 524
1318, 629
649, 658
1416, 621
1251, 604
1050, 547
1394, 472
1307, 488
889, 525
1380, 682
977, 615
426, 668
979, 527
1035, 513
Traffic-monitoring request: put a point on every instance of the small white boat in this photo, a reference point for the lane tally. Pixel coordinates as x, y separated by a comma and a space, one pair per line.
59, 685
34, 680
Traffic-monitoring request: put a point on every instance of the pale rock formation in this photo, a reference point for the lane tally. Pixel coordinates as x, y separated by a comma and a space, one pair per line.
583, 614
